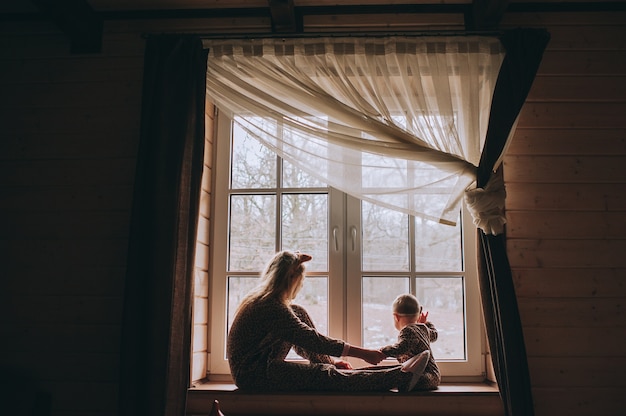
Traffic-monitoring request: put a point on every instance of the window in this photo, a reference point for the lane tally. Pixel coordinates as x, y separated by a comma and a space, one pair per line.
364, 255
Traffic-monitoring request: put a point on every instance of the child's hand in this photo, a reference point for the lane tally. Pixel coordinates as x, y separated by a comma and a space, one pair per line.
344, 365
422, 318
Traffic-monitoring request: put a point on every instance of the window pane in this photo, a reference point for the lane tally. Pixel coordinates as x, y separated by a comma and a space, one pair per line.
293, 177
383, 172
238, 288
252, 233
253, 165
378, 295
438, 247
314, 298
443, 298
385, 238
305, 227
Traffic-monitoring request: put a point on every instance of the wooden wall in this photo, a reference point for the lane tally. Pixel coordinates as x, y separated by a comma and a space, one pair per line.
69, 130
200, 336
565, 174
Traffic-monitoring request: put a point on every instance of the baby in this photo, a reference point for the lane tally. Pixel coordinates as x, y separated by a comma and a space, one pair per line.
415, 335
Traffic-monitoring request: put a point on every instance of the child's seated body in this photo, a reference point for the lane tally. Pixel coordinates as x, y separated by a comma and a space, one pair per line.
415, 335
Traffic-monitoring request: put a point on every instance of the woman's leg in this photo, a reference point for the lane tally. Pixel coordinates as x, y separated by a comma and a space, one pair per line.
290, 376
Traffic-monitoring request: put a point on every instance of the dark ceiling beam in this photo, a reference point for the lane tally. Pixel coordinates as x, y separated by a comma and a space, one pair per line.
283, 16
486, 14
77, 20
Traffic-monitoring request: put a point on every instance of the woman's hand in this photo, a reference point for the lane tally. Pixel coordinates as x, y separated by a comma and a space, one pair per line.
374, 356
371, 356
344, 365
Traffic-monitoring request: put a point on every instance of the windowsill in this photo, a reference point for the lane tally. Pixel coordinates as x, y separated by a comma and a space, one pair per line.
460, 399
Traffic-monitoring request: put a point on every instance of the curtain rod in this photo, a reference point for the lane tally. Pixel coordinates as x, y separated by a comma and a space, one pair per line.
251, 36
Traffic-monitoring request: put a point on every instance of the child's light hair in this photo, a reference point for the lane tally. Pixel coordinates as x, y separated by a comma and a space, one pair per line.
406, 305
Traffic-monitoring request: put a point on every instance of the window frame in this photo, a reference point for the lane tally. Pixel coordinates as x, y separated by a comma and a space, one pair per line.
471, 369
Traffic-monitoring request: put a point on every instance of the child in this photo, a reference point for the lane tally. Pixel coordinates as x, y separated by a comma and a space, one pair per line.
415, 336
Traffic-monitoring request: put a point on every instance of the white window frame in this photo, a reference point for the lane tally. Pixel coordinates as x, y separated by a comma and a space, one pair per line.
471, 369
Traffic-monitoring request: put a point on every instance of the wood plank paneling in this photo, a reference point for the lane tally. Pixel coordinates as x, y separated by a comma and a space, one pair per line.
567, 253
85, 366
54, 309
526, 196
582, 88
202, 257
564, 283
201, 285
582, 62
201, 330
67, 279
31, 199
571, 225
74, 398
58, 252
565, 169
70, 130
64, 225
204, 225
373, 22
567, 142
557, 312
99, 95
566, 208
574, 342
573, 115
92, 69
52, 338
588, 400
79, 117
200, 310
64, 173
556, 371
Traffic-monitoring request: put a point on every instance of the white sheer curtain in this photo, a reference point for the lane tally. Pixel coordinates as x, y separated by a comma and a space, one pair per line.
398, 121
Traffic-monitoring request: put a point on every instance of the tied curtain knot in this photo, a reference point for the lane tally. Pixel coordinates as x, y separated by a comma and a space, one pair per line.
486, 205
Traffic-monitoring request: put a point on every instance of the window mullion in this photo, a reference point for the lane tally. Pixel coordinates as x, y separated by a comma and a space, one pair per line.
336, 265
279, 193
354, 273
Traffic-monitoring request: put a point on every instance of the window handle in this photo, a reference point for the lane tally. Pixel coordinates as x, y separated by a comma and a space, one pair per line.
353, 234
335, 238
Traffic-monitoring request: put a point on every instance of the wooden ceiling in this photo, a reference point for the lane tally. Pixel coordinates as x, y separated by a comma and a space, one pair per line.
82, 20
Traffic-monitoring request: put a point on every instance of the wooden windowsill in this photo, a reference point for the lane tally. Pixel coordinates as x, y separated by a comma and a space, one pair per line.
459, 399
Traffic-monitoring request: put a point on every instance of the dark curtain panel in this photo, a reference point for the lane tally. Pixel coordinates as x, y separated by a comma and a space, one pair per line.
524, 50
156, 327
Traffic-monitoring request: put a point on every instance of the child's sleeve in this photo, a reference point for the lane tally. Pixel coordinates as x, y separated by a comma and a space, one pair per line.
432, 331
402, 347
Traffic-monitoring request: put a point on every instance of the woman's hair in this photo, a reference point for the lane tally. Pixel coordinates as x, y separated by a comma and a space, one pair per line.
278, 277
406, 305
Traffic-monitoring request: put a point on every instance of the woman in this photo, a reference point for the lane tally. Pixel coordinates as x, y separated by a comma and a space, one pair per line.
267, 325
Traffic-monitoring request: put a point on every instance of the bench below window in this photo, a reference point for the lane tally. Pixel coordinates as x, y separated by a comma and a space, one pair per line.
458, 399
